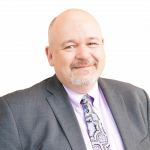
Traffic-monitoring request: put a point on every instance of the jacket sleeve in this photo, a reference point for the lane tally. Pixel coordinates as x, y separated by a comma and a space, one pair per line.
9, 136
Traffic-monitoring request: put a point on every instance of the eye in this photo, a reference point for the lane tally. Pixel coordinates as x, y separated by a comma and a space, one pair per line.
69, 47
92, 43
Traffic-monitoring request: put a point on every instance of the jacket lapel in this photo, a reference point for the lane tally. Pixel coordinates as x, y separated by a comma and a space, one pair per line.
62, 108
64, 112
119, 112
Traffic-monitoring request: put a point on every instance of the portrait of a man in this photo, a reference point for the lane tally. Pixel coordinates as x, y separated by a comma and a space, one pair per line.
76, 108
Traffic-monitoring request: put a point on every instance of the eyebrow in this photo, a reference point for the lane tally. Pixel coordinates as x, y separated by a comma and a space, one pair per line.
71, 40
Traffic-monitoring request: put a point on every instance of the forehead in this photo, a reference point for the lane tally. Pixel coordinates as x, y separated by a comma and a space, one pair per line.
76, 24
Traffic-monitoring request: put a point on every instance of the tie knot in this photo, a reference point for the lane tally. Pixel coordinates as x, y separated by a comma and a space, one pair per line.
85, 99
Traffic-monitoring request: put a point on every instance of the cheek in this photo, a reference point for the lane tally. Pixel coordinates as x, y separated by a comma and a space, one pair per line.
99, 55
65, 59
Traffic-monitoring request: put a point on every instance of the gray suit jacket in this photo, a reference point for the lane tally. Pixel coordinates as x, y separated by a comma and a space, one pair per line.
42, 118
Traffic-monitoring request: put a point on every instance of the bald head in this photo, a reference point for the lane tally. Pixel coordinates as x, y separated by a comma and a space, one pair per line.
68, 18
75, 14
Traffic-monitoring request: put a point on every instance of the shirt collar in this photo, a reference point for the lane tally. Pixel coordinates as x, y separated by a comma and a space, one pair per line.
76, 97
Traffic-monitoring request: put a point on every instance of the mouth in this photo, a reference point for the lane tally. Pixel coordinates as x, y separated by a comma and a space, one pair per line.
83, 67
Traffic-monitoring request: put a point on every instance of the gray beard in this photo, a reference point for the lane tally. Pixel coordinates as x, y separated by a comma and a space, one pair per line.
81, 81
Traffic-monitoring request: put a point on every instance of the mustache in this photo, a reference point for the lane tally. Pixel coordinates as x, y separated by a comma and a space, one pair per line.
84, 62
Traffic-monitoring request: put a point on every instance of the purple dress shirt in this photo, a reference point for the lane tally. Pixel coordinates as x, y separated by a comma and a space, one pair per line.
101, 107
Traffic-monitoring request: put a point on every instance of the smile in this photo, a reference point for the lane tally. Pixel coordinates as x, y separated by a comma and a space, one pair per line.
83, 67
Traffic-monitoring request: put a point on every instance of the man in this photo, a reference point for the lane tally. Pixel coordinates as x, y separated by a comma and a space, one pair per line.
49, 115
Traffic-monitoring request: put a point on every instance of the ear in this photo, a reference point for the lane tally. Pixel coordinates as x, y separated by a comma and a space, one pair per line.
49, 55
103, 41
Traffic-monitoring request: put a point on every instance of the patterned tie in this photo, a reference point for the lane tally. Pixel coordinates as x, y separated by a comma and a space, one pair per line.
96, 131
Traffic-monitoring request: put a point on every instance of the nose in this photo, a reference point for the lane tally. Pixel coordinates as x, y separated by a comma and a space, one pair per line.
83, 52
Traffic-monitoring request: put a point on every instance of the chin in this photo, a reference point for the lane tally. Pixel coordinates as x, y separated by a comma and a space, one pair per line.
84, 81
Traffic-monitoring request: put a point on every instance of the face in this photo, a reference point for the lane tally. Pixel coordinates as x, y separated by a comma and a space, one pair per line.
77, 55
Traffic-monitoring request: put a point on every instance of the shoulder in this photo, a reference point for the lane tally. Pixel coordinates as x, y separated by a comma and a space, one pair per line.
133, 97
33, 92
120, 85
123, 88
